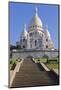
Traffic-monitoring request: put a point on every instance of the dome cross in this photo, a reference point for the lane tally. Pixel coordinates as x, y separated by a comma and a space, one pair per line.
36, 11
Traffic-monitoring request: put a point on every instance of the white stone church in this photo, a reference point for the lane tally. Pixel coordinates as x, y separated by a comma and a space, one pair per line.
36, 37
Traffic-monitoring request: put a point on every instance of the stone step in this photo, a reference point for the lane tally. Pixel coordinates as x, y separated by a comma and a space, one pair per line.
31, 74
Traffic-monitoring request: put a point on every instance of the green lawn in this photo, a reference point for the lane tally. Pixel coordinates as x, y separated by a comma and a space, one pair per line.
52, 62
52, 66
13, 63
38, 60
44, 60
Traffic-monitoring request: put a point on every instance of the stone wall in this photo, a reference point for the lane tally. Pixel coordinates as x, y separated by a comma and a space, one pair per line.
34, 53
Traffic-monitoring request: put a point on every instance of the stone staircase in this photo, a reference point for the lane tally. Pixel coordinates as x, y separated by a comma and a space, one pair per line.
31, 74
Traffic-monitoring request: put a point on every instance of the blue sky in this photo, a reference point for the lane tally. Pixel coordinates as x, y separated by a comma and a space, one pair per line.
21, 13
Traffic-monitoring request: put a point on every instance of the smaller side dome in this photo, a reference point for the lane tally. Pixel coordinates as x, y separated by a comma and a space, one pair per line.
47, 32
24, 33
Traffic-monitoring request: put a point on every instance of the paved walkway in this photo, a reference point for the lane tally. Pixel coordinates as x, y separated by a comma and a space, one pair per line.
56, 70
11, 73
31, 74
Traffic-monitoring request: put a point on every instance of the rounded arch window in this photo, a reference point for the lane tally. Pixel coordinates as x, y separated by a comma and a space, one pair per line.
46, 40
46, 46
23, 40
23, 46
35, 42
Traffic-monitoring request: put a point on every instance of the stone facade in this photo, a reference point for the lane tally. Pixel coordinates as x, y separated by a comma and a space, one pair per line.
34, 53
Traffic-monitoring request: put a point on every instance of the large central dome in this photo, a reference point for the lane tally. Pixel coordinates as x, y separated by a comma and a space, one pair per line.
35, 21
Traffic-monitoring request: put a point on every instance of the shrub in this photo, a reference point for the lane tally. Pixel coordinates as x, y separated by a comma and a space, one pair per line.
44, 60
13, 66
11, 62
52, 60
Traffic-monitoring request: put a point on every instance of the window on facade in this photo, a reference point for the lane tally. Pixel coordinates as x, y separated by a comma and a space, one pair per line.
31, 40
30, 34
36, 26
46, 40
40, 42
23, 46
23, 40
46, 46
35, 42
35, 32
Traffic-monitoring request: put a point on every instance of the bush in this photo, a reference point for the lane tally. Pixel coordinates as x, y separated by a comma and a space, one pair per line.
13, 66
18, 59
10, 62
10, 66
39, 60
53, 60
44, 60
